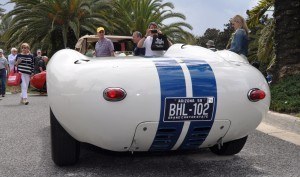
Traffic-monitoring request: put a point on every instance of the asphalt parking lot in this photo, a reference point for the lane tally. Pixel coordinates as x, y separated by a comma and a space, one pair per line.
25, 151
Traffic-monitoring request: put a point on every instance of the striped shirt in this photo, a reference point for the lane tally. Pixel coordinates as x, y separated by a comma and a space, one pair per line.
27, 64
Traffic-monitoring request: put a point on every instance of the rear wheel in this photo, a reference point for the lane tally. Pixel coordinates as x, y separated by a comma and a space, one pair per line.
65, 149
229, 148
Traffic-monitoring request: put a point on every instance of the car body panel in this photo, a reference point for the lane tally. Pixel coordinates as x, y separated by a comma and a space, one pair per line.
76, 84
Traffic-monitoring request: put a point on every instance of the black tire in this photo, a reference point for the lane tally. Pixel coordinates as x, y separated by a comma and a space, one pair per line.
230, 148
65, 149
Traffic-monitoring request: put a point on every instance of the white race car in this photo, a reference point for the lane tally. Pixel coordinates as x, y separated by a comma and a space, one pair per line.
188, 99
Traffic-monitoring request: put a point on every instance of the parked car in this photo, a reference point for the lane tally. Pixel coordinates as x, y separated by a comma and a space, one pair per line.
188, 99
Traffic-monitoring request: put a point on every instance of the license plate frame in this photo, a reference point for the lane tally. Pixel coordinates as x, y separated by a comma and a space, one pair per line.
181, 109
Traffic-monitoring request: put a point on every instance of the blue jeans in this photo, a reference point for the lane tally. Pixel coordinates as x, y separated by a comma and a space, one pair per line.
3, 81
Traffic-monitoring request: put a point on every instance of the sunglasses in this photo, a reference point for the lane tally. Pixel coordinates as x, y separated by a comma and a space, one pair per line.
101, 32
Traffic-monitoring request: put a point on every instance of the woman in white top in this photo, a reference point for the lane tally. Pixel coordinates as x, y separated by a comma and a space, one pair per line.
11, 62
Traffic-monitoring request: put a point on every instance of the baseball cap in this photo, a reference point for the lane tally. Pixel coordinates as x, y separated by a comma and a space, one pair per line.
1, 51
100, 29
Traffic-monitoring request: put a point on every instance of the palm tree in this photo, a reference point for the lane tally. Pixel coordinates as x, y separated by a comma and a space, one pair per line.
2, 26
132, 15
1, 12
55, 24
262, 34
278, 41
256, 14
287, 40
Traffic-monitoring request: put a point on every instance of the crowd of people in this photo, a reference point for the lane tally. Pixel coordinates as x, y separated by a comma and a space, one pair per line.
144, 44
23, 62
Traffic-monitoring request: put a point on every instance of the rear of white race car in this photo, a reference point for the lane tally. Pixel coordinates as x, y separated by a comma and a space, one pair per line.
157, 104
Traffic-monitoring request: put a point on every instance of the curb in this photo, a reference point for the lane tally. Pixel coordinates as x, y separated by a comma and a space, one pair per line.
282, 126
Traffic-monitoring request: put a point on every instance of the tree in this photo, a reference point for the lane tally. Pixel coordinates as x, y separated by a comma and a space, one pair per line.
51, 25
131, 15
279, 38
287, 38
55, 24
221, 38
2, 26
209, 34
261, 46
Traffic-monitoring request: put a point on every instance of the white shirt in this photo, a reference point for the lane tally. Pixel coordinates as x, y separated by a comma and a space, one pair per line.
148, 51
11, 61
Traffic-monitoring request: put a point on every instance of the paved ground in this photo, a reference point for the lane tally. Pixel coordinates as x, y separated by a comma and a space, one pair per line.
25, 151
282, 126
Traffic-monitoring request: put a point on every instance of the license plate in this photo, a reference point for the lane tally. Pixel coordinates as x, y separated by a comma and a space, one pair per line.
189, 109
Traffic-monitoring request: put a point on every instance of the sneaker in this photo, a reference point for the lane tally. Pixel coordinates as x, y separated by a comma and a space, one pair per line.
25, 101
3, 95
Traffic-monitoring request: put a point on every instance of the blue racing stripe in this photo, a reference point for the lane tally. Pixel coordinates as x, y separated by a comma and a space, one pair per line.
204, 85
172, 84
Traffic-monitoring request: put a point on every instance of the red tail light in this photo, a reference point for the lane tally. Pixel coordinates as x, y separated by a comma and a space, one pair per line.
114, 94
256, 95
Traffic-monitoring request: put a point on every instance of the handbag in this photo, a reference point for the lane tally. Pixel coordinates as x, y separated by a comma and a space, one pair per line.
160, 42
14, 78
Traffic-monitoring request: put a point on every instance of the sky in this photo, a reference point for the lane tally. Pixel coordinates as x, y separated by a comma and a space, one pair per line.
203, 14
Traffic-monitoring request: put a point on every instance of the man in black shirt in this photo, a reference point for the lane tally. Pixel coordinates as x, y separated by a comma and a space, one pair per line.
36, 61
136, 37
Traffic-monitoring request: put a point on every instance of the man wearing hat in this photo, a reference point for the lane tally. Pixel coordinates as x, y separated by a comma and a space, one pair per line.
104, 47
3, 68
211, 45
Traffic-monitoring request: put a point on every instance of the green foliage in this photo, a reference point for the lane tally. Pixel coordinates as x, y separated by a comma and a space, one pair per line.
209, 34
55, 24
266, 52
1, 11
261, 45
221, 38
135, 15
51, 25
286, 95
258, 12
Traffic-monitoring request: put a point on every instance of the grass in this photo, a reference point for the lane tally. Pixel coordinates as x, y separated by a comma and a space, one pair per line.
285, 95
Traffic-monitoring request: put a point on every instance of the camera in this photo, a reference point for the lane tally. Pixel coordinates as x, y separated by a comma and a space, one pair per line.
153, 31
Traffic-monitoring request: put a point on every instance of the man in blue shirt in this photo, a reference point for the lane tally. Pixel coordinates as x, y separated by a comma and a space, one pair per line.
3, 75
104, 47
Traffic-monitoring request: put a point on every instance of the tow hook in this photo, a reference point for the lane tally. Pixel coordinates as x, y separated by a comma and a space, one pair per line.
220, 143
